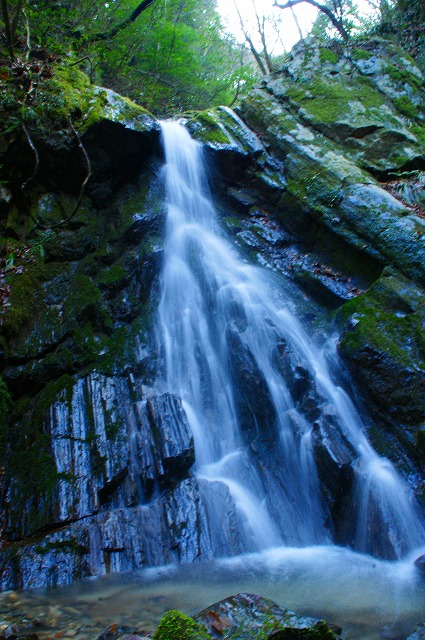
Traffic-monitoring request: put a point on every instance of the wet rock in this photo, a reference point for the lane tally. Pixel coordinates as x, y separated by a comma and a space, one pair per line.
334, 457
420, 563
379, 342
418, 632
316, 127
254, 402
251, 616
114, 632
173, 438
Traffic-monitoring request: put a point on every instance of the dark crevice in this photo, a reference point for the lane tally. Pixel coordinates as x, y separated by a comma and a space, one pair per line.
416, 164
23, 360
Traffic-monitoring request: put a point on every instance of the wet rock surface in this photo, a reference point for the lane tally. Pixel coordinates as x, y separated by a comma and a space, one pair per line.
251, 616
98, 458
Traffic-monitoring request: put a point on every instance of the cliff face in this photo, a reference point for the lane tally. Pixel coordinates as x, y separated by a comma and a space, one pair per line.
328, 191
348, 128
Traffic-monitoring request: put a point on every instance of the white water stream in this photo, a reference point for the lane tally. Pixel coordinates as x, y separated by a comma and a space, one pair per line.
215, 307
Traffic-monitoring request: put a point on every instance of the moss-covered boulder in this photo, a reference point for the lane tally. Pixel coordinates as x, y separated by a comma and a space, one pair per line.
175, 625
247, 615
382, 339
66, 132
340, 136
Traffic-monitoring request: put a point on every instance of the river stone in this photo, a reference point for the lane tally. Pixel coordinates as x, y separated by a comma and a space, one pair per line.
418, 632
114, 631
250, 616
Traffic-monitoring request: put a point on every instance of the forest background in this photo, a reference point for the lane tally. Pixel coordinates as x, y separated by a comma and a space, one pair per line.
172, 56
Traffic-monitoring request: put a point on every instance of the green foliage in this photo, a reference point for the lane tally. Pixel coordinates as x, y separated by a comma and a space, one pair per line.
175, 625
178, 60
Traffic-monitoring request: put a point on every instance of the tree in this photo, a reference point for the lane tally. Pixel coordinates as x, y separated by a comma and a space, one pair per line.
261, 32
334, 10
11, 13
178, 58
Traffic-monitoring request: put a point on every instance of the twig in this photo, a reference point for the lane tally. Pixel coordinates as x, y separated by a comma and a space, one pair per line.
37, 158
37, 164
72, 64
85, 181
36, 167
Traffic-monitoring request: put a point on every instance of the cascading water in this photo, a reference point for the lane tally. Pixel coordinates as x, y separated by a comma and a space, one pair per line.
253, 385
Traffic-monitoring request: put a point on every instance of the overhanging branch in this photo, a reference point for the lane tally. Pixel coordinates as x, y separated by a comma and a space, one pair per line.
336, 22
142, 6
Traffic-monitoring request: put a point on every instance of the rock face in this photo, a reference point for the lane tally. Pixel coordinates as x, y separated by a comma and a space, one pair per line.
97, 460
344, 132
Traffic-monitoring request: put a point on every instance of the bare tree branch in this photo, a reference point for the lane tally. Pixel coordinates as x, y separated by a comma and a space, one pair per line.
36, 157
294, 15
336, 22
262, 33
251, 44
142, 6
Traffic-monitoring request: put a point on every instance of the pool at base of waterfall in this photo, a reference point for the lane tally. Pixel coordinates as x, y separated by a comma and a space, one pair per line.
370, 599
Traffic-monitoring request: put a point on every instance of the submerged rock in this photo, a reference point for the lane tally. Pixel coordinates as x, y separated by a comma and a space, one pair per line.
250, 616
418, 632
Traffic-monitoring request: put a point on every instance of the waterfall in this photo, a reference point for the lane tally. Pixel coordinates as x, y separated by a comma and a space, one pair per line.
258, 393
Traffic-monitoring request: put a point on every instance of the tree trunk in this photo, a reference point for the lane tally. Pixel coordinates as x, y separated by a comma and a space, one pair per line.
7, 27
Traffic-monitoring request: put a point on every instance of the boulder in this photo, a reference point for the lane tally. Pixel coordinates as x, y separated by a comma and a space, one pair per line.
174, 451
247, 615
418, 632
381, 341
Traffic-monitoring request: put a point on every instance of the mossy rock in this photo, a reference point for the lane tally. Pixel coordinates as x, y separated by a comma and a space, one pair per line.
70, 94
248, 616
382, 338
175, 625
26, 295
221, 129
28, 461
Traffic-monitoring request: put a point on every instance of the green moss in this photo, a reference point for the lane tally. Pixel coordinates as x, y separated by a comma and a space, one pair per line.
382, 331
327, 100
205, 127
405, 106
361, 54
28, 458
175, 625
115, 275
387, 320
61, 546
402, 75
327, 55
69, 93
84, 302
58, 389
419, 132
24, 301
